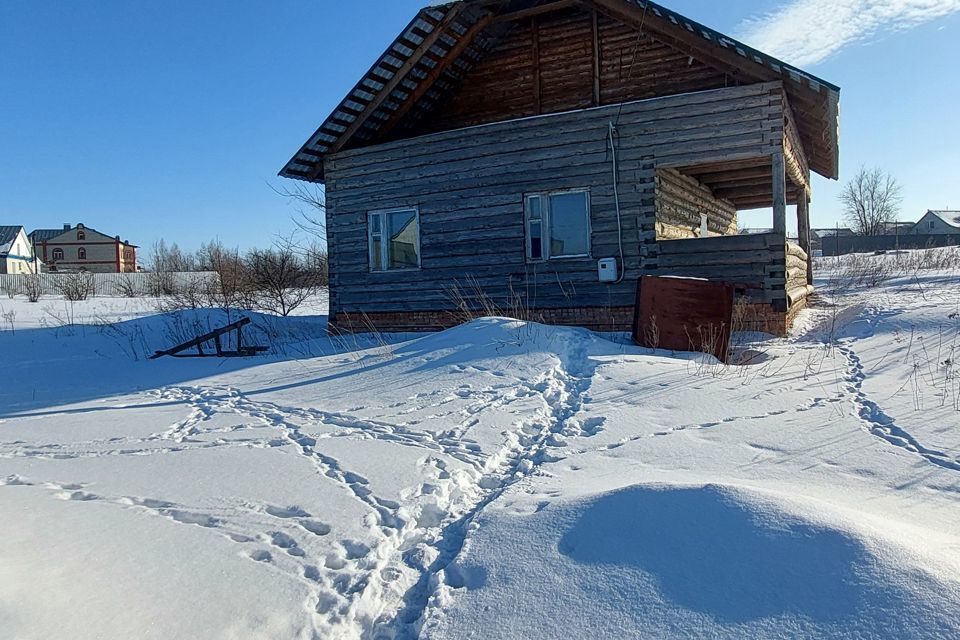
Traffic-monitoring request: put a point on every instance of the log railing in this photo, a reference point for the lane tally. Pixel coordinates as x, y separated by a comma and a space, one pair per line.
764, 268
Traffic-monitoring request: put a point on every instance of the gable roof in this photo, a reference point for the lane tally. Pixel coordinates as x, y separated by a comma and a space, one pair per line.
39, 236
951, 218
432, 55
42, 235
8, 234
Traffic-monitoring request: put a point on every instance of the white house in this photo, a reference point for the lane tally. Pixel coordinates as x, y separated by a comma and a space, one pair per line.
16, 252
938, 223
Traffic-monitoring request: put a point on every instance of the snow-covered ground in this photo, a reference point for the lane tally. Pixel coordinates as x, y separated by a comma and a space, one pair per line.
500, 480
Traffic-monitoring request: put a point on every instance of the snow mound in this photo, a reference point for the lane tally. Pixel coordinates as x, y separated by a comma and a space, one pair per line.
708, 561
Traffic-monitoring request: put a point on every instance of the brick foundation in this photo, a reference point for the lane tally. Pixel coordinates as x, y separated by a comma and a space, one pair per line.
593, 318
752, 317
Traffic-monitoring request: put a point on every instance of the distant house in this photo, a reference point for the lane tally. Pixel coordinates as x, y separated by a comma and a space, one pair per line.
817, 236
550, 153
938, 223
81, 248
897, 228
16, 252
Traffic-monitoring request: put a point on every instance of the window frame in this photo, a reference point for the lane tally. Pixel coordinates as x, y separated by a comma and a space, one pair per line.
82, 253
58, 254
546, 224
385, 246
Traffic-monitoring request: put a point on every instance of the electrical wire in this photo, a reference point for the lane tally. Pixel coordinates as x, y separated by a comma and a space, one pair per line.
616, 199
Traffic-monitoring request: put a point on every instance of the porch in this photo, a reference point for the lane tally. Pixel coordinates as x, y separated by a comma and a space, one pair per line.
773, 275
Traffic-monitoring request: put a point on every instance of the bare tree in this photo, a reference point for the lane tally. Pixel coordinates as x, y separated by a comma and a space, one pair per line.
871, 200
282, 279
165, 262
311, 206
232, 286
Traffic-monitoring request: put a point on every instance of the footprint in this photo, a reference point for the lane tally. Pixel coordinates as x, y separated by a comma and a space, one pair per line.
315, 527
184, 517
391, 574
286, 512
147, 503
327, 602
64, 487
261, 555
288, 544
15, 481
355, 550
334, 562
311, 573
77, 496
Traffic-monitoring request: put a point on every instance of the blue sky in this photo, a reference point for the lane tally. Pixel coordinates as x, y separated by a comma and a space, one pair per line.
171, 119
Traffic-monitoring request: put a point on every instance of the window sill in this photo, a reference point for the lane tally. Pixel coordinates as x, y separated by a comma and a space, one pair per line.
412, 270
560, 259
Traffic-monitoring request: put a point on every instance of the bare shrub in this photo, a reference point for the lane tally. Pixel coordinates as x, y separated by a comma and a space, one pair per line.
232, 287
9, 317
280, 279
161, 283
75, 286
164, 264
128, 287
33, 287
9, 287
195, 293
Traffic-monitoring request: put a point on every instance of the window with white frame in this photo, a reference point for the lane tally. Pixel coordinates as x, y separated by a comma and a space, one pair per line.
558, 225
394, 237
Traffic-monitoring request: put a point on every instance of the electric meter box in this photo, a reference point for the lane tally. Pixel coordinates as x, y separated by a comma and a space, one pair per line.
608, 270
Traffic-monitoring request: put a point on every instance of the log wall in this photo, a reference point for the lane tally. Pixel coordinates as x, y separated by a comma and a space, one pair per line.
681, 200
469, 186
755, 263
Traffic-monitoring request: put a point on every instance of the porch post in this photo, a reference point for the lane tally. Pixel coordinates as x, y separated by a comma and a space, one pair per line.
803, 215
779, 194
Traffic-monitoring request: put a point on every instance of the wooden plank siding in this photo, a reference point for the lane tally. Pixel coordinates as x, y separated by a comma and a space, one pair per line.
469, 186
550, 65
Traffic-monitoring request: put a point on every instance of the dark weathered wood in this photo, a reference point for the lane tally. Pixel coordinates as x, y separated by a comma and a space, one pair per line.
399, 76
537, 82
585, 59
533, 12
424, 86
596, 57
214, 336
469, 186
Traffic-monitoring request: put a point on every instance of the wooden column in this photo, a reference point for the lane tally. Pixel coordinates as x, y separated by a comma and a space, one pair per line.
803, 216
779, 194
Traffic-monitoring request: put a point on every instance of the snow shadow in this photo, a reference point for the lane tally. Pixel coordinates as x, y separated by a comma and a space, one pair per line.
80, 362
710, 552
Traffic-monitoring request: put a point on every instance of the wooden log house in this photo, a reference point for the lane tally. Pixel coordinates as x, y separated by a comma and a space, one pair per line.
543, 155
